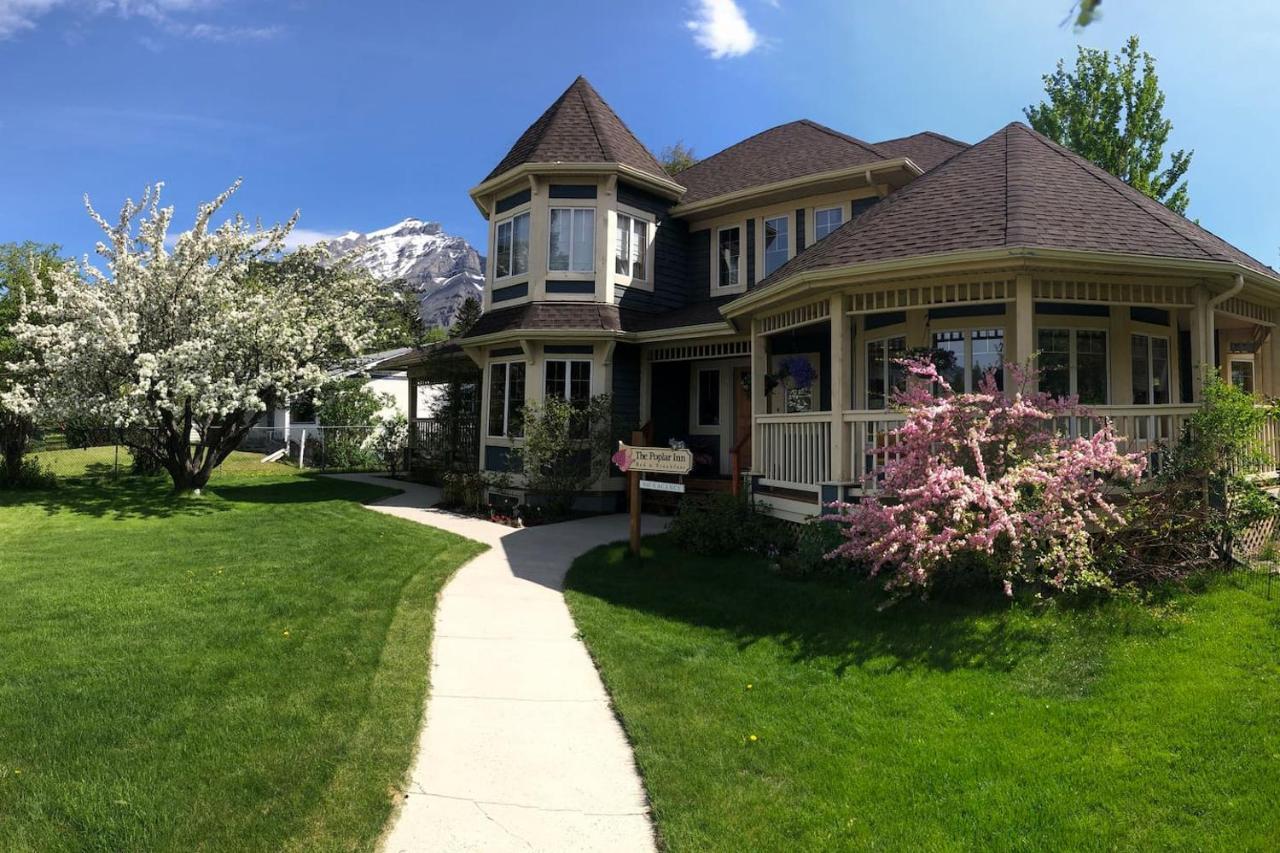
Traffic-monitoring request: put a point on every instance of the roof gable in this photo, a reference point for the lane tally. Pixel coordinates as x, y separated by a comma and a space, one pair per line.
780, 153
1015, 188
579, 128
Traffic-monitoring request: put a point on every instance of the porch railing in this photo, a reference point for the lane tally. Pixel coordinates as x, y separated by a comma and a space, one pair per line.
795, 450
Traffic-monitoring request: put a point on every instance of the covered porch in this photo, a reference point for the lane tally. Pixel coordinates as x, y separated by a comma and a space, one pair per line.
1132, 349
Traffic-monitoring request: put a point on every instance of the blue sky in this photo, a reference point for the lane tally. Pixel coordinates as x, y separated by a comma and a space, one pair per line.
360, 114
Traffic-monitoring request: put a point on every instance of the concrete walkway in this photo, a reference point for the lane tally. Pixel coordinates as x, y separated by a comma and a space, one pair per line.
520, 749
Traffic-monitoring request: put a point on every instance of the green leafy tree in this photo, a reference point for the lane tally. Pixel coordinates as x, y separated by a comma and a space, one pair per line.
20, 266
676, 158
346, 407
566, 450
468, 313
1110, 109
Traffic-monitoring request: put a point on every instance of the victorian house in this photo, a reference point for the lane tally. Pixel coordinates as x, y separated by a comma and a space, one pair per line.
754, 305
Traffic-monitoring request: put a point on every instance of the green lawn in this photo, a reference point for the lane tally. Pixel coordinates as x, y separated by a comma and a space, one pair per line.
102, 462
241, 671
935, 726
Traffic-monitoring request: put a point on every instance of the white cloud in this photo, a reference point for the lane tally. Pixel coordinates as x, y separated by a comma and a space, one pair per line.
19, 15
171, 17
722, 29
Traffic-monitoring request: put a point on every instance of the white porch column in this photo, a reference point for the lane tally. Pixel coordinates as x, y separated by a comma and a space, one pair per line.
758, 368
413, 410
1024, 343
646, 387
839, 389
1120, 354
1201, 350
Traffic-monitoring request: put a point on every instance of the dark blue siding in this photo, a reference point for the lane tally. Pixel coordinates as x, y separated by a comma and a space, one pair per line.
799, 230
498, 458
626, 388
572, 191
670, 255
568, 349
515, 291
751, 252
698, 286
571, 286
514, 200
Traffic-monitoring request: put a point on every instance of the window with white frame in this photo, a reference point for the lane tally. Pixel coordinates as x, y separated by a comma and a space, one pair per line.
1242, 374
826, 220
709, 397
511, 247
632, 247
573, 239
506, 399
884, 374
1074, 361
729, 253
777, 242
569, 379
1150, 359
973, 354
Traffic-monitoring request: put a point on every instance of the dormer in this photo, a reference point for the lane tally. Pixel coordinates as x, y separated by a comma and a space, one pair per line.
573, 208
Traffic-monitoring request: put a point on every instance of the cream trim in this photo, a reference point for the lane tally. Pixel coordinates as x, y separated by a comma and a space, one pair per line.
666, 187
864, 172
651, 229
1013, 258
715, 288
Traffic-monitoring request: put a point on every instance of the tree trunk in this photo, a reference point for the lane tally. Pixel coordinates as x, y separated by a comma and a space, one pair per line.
14, 432
190, 466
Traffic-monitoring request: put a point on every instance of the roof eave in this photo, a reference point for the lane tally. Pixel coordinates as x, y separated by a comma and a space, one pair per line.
663, 186
864, 170
807, 280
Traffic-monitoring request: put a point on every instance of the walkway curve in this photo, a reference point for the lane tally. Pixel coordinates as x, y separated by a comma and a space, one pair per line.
520, 749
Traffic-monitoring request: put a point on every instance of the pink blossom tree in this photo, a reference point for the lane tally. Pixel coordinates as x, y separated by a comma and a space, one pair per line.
988, 474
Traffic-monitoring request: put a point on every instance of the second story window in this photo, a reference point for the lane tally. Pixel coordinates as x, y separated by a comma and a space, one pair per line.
730, 255
573, 239
777, 242
511, 249
632, 247
826, 220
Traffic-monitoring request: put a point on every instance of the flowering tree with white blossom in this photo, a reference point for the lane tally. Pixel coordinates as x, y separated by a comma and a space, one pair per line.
183, 347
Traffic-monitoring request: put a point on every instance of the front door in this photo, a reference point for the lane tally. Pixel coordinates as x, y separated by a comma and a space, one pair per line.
742, 415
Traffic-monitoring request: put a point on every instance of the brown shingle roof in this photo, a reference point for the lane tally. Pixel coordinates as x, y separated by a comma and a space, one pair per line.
787, 151
548, 315
1015, 188
592, 316
926, 149
579, 128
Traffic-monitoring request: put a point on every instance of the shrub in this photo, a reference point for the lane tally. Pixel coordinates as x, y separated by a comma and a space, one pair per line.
30, 475
464, 490
388, 441
987, 475
567, 448
724, 524
813, 552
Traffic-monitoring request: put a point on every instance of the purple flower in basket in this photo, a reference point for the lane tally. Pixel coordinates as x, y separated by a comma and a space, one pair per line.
800, 371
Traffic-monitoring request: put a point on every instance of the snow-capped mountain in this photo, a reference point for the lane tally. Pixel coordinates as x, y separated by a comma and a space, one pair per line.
441, 268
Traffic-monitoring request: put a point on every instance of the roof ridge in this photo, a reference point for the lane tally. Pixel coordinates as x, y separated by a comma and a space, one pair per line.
589, 112
841, 135
1110, 181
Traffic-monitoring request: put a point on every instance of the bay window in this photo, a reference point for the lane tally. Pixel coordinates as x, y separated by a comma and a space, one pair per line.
572, 241
729, 253
632, 247
1150, 370
570, 379
511, 247
1074, 361
974, 353
884, 374
827, 220
506, 399
777, 242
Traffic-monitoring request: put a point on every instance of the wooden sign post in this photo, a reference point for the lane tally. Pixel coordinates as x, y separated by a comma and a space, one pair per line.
634, 460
